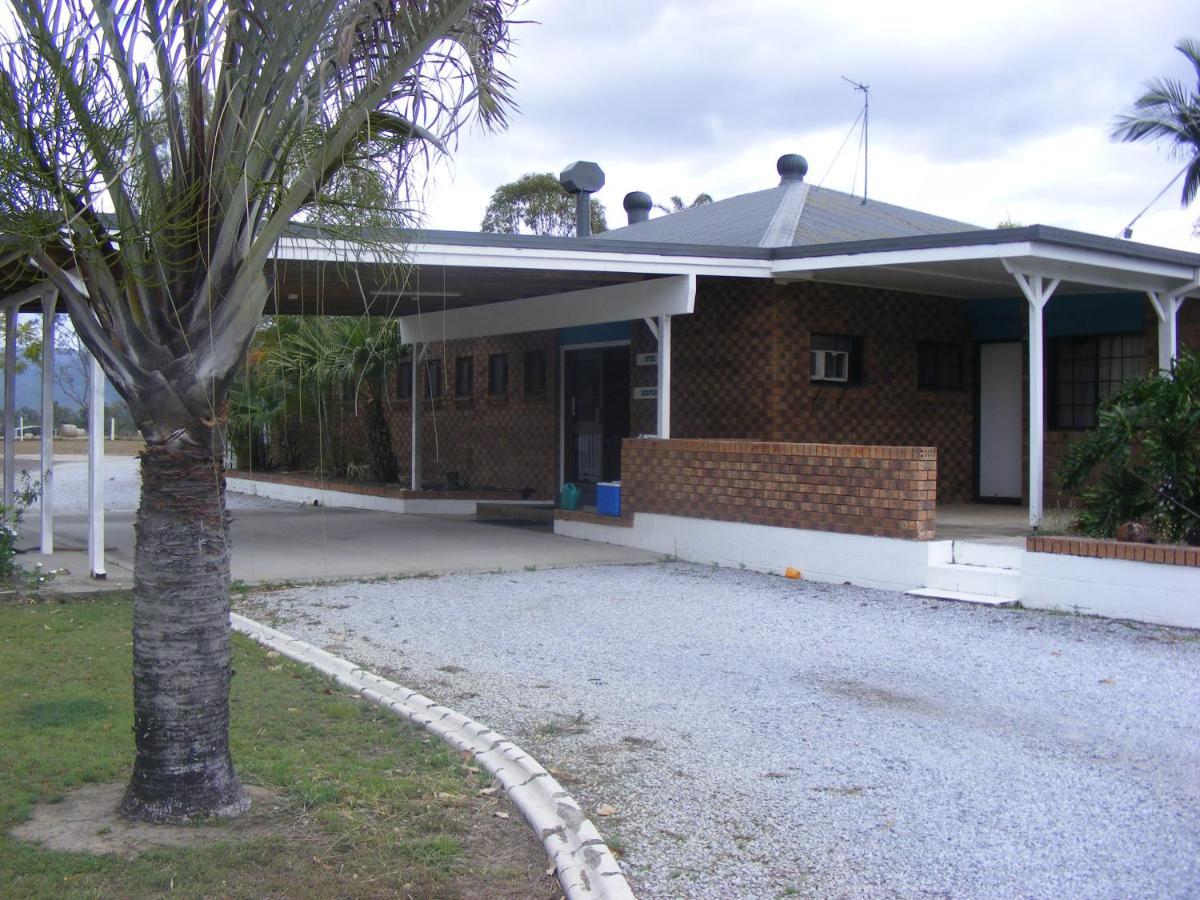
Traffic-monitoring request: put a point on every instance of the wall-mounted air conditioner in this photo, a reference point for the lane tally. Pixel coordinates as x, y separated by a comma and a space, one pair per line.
830, 365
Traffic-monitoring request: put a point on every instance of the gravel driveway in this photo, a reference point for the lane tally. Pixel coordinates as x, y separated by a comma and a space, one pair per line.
760, 737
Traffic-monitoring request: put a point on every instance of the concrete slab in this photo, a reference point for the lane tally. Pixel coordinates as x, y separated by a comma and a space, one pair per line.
992, 523
303, 543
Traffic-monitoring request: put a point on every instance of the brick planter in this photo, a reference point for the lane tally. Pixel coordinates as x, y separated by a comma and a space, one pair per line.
1167, 554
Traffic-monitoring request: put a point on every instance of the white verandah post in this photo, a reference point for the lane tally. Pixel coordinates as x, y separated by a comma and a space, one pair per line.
1038, 291
1166, 308
417, 352
664, 377
49, 302
96, 470
10, 405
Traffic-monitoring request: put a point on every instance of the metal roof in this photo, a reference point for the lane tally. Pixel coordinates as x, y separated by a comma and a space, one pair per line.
821, 216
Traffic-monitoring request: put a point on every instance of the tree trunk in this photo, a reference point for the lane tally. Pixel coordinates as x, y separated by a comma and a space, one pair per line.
181, 639
379, 441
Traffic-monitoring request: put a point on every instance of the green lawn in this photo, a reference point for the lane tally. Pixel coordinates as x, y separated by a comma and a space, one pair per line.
371, 805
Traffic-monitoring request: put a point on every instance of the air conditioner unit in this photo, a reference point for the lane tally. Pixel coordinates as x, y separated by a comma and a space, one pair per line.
830, 365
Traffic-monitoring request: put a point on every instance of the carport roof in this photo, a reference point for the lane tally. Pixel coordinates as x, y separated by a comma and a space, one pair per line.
435, 270
451, 270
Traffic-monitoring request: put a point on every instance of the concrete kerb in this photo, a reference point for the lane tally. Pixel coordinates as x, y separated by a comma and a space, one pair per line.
587, 870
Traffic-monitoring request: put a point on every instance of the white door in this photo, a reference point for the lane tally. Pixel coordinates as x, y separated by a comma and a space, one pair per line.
1000, 431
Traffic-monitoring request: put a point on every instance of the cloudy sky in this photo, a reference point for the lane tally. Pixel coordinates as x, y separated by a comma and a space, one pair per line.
980, 112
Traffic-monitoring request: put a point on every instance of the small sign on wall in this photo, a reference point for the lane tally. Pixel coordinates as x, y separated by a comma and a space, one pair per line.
645, 393
647, 359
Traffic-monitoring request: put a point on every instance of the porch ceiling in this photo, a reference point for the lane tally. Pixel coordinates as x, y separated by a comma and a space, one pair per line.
318, 287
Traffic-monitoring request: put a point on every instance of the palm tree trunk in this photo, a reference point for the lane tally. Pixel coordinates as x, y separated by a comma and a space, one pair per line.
181, 639
379, 440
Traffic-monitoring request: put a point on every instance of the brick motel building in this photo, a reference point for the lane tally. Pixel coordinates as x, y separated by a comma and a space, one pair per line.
793, 315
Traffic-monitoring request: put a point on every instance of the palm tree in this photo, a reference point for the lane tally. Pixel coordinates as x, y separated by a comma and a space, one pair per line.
322, 354
677, 204
152, 152
1169, 111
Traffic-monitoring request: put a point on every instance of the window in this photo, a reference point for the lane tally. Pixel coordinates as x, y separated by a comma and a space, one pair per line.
836, 358
1086, 370
939, 366
498, 374
404, 381
464, 376
433, 379
535, 373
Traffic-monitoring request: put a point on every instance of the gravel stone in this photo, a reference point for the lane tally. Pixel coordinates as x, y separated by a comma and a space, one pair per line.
762, 737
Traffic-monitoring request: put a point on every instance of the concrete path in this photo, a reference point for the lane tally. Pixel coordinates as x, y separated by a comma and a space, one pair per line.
275, 541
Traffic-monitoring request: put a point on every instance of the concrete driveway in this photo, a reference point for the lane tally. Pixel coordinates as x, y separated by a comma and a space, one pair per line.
760, 737
274, 541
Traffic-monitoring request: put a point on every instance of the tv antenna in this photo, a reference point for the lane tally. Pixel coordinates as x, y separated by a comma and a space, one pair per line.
866, 133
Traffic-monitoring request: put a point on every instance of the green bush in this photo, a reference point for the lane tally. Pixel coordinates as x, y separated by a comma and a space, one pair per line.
10, 527
1145, 453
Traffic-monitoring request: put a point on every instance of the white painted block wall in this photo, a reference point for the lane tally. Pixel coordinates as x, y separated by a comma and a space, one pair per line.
1144, 592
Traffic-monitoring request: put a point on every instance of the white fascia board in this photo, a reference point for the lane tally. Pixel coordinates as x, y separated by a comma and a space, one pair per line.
1099, 268
1103, 269
532, 258
782, 268
593, 306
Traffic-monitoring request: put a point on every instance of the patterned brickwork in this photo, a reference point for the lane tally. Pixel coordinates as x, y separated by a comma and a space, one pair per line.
725, 375
741, 370
883, 491
508, 442
1155, 553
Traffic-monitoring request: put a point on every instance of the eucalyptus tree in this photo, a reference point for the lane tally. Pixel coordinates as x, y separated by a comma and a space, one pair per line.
1168, 111
536, 204
152, 153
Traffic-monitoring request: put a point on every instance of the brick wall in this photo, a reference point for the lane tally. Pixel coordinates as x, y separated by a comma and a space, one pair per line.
507, 442
500, 443
741, 370
882, 491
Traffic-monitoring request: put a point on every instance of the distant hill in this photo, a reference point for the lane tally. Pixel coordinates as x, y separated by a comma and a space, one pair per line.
29, 385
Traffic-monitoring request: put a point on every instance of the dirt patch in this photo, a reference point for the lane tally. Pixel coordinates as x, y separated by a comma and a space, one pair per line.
506, 860
87, 821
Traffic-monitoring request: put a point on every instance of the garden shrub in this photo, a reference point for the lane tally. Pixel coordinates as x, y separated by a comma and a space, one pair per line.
1142, 461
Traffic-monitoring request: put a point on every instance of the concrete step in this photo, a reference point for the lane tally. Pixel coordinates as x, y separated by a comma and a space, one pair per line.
996, 556
988, 581
502, 510
962, 597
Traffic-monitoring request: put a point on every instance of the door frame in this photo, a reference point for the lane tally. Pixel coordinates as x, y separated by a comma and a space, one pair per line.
563, 349
978, 436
